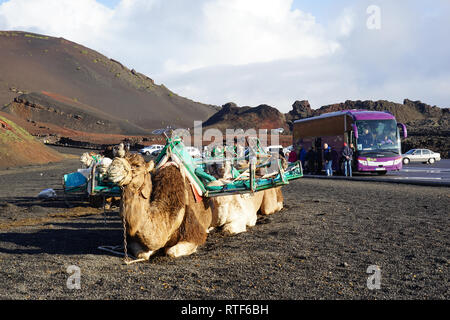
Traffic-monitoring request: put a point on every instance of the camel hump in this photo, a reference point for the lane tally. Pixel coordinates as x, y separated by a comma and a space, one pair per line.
169, 188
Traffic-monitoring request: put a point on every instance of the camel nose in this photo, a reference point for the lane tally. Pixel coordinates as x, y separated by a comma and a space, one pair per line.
116, 171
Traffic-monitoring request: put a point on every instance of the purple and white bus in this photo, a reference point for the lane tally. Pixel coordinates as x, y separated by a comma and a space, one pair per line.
375, 136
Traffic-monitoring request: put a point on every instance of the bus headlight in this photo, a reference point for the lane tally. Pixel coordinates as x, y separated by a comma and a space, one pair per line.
398, 161
363, 162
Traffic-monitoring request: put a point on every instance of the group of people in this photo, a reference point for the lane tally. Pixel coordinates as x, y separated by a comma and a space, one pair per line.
311, 160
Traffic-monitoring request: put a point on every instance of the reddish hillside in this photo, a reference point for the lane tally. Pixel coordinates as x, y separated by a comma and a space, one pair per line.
37, 63
18, 147
49, 110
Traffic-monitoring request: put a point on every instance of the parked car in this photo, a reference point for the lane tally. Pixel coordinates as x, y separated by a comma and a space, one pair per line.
421, 155
153, 150
194, 152
272, 149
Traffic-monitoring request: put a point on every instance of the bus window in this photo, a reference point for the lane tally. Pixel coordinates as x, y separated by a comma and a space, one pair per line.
377, 135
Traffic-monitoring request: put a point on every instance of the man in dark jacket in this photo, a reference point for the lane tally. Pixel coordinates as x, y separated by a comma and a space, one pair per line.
347, 154
310, 160
328, 159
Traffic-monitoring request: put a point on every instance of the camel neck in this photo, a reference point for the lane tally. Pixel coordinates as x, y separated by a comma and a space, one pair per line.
133, 204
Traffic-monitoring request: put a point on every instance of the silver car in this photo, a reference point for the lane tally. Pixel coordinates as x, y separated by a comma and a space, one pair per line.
152, 150
421, 155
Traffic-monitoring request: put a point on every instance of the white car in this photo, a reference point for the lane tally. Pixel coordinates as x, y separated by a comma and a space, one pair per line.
193, 152
152, 150
272, 149
421, 155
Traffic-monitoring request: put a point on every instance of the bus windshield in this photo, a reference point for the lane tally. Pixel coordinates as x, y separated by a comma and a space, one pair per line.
377, 136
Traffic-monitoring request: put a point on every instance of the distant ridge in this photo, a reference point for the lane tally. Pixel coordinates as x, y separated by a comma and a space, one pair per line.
428, 126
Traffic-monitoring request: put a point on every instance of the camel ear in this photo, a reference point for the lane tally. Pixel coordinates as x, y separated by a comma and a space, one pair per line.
150, 166
146, 189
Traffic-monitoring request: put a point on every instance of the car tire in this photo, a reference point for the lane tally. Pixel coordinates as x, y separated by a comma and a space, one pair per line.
406, 161
431, 160
147, 153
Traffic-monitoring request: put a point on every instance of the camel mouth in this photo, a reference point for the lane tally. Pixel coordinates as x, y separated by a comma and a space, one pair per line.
118, 171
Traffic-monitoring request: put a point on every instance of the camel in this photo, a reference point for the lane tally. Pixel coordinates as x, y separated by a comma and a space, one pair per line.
159, 208
103, 160
234, 213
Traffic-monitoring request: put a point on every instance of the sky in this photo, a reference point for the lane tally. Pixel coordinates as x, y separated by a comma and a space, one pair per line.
253, 52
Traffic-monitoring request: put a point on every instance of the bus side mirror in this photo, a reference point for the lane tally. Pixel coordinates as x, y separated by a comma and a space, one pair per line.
355, 130
405, 132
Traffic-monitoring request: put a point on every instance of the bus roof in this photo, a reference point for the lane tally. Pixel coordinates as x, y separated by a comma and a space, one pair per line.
356, 114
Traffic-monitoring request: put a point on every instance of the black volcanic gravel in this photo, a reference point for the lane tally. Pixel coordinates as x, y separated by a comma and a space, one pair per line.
318, 247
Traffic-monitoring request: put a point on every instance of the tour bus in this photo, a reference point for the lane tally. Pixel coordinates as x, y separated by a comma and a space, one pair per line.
375, 136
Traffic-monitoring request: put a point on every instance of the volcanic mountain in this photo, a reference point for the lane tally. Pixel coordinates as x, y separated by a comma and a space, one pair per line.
230, 116
56, 73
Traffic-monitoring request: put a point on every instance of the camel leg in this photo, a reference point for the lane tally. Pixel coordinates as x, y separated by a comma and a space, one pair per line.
182, 248
272, 201
235, 227
138, 251
251, 221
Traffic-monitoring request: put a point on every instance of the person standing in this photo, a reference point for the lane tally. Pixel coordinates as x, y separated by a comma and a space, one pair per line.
292, 156
302, 155
328, 160
310, 160
347, 154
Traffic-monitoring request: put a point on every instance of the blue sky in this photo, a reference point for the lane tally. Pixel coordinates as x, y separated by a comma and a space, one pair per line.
109, 3
261, 51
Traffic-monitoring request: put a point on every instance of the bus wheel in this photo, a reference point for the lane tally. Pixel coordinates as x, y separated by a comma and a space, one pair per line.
405, 161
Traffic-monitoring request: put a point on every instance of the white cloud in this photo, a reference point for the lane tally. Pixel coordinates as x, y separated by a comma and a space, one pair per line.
82, 20
259, 51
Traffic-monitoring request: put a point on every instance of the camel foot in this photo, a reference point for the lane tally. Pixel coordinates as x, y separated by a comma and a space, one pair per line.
144, 255
233, 228
280, 206
138, 251
252, 221
181, 249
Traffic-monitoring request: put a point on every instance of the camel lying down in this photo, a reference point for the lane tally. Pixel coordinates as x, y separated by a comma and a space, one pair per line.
160, 211
234, 213
159, 208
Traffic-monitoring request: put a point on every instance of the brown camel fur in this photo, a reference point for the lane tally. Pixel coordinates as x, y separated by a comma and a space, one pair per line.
159, 212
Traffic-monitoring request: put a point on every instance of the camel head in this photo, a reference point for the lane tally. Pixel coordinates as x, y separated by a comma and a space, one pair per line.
119, 150
87, 159
133, 172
